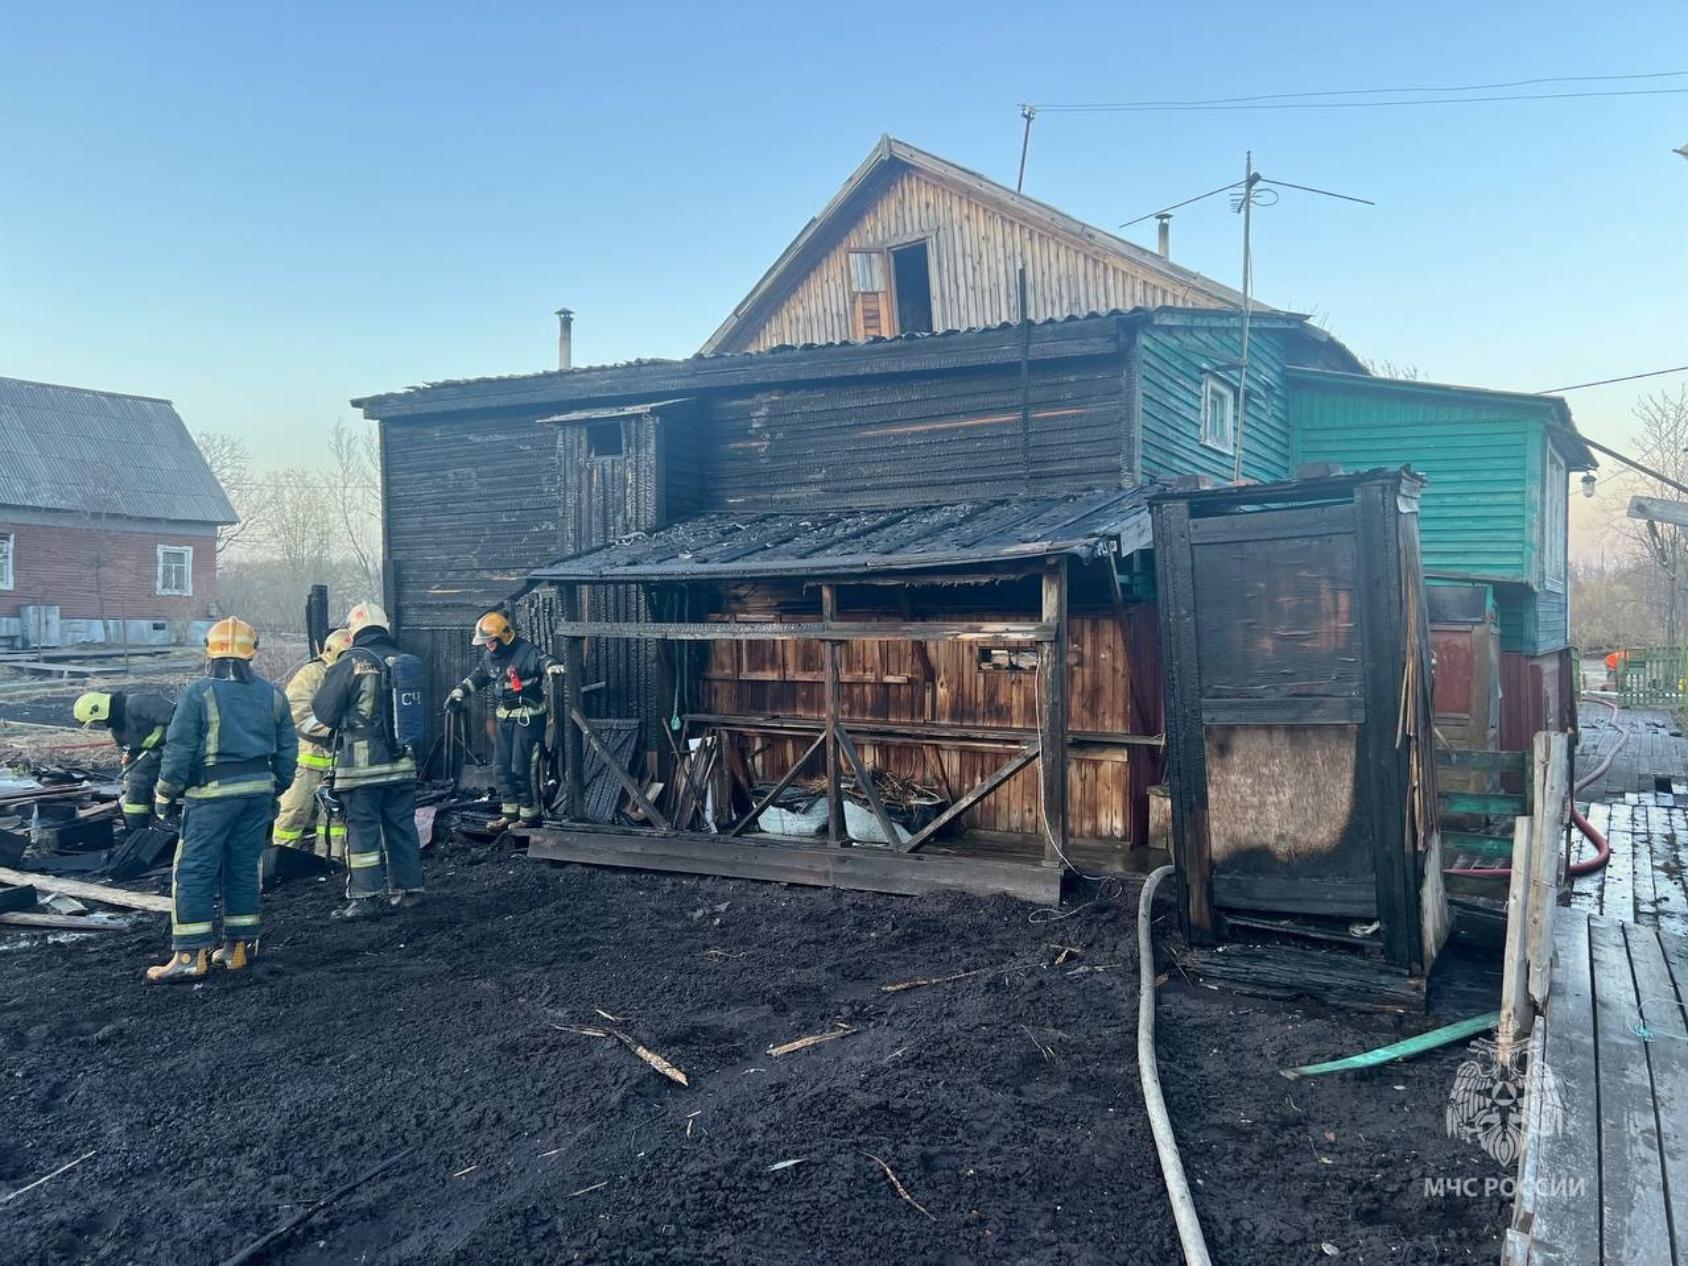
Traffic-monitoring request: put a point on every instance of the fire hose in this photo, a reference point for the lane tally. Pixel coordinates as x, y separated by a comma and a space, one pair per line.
1602, 847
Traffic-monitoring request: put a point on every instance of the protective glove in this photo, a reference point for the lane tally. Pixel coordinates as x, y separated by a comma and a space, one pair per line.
556, 670
457, 698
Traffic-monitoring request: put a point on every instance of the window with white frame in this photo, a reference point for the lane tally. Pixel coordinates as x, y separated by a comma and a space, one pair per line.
175, 570
8, 544
1555, 541
1219, 414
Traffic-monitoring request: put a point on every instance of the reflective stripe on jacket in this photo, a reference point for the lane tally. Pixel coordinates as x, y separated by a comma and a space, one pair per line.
228, 738
314, 736
353, 701
517, 672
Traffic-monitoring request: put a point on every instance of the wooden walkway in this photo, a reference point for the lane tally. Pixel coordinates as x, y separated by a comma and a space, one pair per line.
1604, 1174
1654, 756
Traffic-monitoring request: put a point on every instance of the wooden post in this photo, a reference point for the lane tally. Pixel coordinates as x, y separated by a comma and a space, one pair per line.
1552, 813
1052, 715
1515, 1014
574, 785
835, 834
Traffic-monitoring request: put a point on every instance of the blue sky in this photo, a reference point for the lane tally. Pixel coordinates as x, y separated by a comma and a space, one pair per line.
262, 211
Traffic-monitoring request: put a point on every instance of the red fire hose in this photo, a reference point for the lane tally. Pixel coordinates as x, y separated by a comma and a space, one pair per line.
1602, 849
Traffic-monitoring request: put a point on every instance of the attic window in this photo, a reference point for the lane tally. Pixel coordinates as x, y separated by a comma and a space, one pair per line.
911, 272
603, 439
1219, 414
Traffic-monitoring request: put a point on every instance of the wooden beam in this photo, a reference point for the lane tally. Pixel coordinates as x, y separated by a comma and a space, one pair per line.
790, 774
1552, 816
864, 780
834, 704
86, 891
1002, 774
59, 922
925, 731
1515, 1014
574, 777
822, 630
651, 812
1052, 715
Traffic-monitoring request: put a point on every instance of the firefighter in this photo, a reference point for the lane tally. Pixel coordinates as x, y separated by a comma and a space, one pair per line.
374, 777
519, 669
137, 722
298, 802
230, 748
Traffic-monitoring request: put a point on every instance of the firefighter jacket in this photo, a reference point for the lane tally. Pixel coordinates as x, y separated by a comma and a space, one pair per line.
139, 721
231, 736
518, 673
315, 738
353, 702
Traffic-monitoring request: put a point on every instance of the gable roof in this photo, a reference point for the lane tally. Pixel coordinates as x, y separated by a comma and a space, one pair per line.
102, 452
891, 155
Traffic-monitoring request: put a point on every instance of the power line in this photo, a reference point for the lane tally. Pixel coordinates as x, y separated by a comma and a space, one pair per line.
1357, 92
1602, 382
1146, 107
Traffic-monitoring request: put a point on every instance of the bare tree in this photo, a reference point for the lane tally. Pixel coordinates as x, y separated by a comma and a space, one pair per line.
1663, 445
356, 492
231, 464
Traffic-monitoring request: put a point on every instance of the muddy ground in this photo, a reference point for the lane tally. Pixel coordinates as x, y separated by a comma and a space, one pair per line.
1006, 1102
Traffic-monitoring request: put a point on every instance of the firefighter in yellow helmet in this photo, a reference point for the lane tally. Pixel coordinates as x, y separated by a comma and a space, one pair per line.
517, 668
137, 721
230, 748
298, 802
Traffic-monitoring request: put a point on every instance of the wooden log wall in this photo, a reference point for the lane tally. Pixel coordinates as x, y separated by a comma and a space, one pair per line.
944, 682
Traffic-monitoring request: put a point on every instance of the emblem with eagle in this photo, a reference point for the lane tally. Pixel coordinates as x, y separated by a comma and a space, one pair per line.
1487, 1103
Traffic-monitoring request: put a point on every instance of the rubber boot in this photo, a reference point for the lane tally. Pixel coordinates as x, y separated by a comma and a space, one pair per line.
405, 900
500, 823
361, 908
236, 955
183, 965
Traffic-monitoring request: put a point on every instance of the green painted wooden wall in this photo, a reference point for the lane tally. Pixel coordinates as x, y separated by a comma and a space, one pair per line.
1168, 364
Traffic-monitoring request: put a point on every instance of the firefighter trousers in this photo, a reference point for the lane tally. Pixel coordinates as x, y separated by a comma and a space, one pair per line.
383, 850
517, 740
140, 776
298, 810
217, 856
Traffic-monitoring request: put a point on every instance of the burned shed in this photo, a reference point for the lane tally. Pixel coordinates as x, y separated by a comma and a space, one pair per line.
838, 471
1300, 738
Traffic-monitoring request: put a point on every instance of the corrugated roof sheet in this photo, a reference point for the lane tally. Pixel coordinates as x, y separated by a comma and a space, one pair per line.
841, 542
101, 452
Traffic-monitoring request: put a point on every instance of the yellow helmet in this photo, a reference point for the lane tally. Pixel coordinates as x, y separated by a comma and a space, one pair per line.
93, 706
231, 638
334, 643
367, 615
493, 628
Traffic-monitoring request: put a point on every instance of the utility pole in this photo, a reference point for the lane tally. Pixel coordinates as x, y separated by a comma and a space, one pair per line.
1249, 179
1028, 113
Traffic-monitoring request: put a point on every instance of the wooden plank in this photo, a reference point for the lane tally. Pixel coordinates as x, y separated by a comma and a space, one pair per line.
1617, 878
1552, 813
1662, 1010
998, 735
59, 922
1481, 803
651, 812
1515, 1012
1633, 1219
1052, 717
1285, 710
1000, 775
1565, 1229
861, 869
790, 774
85, 891
864, 781
1495, 847
823, 630
835, 833
1186, 747
574, 758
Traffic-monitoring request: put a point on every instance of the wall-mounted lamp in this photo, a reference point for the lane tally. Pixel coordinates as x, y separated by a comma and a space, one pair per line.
1588, 482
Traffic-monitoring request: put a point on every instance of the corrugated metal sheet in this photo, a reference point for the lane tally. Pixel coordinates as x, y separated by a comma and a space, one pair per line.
718, 546
101, 453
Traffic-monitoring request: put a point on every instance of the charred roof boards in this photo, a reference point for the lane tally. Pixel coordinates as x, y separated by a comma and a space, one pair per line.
102, 453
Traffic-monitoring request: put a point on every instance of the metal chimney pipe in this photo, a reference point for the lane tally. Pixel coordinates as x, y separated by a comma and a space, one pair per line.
1164, 221
565, 338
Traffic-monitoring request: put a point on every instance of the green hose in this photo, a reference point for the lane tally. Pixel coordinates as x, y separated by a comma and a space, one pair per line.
1399, 1050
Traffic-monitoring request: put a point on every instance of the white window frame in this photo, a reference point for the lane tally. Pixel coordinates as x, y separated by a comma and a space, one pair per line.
186, 552
1214, 389
8, 560
1556, 530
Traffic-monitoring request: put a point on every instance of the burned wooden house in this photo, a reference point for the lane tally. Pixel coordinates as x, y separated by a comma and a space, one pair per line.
922, 556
